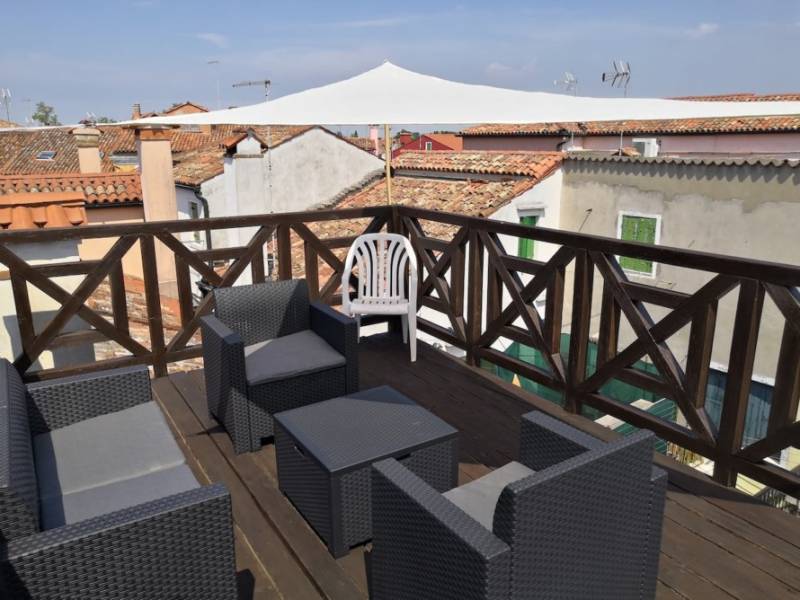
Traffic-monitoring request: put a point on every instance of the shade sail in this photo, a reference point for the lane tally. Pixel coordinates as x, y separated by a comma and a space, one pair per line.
391, 94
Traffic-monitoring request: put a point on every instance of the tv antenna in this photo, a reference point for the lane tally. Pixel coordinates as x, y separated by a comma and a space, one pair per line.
620, 77
569, 83
265, 82
5, 98
91, 117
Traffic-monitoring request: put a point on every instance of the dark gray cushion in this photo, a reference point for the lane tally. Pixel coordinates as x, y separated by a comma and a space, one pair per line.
478, 498
300, 353
104, 499
103, 450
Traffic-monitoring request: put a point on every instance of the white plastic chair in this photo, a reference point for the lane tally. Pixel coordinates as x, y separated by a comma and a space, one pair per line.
381, 260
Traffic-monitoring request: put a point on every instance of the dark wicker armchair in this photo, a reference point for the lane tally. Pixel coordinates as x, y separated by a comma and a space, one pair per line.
96, 500
574, 518
268, 349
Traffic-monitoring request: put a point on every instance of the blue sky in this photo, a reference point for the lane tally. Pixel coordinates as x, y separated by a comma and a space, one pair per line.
104, 56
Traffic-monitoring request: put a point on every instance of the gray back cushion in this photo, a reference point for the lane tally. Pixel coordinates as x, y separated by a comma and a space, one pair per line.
265, 310
19, 505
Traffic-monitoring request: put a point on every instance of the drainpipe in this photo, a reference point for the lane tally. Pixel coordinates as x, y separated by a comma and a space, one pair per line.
204, 202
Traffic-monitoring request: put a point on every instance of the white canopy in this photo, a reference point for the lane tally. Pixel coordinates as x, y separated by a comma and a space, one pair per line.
391, 94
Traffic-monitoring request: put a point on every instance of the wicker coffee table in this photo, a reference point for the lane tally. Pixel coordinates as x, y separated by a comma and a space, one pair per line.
324, 452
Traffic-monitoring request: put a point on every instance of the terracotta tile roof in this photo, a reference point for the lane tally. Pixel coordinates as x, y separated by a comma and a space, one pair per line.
451, 140
362, 142
743, 97
19, 147
193, 168
786, 123
42, 210
472, 197
482, 162
96, 188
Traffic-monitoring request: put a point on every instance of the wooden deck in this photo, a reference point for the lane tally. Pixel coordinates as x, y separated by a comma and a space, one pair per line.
717, 543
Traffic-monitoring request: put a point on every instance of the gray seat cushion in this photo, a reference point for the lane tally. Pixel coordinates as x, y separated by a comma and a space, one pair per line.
104, 499
292, 355
103, 450
478, 498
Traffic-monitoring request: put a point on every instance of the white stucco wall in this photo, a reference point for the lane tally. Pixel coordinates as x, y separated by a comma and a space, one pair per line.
744, 211
543, 200
43, 306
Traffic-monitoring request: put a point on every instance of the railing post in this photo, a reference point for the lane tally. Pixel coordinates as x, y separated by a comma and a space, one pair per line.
579, 330
312, 270
284, 252
153, 301
22, 304
474, 296
119, 301
740, 374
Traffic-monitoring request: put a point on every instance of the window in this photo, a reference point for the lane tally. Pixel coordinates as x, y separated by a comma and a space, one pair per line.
428, 145
525, 247
194, 213
46, 155
638, 228
125, 159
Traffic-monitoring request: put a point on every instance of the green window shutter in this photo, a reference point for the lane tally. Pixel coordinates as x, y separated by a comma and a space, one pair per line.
637, 229
525, 246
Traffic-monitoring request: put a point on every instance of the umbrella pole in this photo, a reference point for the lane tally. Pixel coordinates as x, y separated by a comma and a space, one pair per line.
387, 144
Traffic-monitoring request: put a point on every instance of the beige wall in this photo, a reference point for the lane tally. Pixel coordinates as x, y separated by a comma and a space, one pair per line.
746, 211
95, 249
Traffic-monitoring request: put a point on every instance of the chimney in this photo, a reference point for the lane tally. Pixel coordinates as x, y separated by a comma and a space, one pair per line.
87, 139
250, 187
137, 111
373, 135
405, 138
153, 144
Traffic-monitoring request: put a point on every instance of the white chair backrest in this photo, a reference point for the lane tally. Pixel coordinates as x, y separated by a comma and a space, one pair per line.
381, 260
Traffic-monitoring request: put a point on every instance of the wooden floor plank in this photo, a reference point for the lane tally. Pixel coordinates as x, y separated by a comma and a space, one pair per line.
297, 536
290, 580
717, 543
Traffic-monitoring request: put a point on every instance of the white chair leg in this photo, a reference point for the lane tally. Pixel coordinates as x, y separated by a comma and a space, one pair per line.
404, 319
358, 329
412, 335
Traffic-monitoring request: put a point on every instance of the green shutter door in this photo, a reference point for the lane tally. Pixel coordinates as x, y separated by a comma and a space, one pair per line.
637, 229
525, 247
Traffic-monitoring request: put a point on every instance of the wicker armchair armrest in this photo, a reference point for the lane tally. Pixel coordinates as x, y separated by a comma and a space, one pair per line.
61, 402
341, 332
424, 546
177, 547
545, 441
226, 379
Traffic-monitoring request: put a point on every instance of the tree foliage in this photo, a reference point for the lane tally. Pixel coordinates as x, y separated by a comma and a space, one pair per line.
45, 114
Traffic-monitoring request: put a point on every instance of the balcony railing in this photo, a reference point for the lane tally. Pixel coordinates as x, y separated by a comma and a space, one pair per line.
474, 294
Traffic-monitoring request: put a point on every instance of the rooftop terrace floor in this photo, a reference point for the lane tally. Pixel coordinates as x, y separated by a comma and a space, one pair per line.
716, 543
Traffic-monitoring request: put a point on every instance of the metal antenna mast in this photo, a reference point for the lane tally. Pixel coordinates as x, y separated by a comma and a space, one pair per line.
5, 98
569, 83
265, 82
620, 77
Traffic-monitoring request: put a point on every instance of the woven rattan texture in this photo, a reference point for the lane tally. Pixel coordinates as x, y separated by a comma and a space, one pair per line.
62, 402
19, 504
264, 311
178, 547
425, 548
226, 381
592, 512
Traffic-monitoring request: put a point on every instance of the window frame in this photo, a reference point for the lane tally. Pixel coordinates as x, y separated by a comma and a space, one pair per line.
656, 240
537, 214
428, 146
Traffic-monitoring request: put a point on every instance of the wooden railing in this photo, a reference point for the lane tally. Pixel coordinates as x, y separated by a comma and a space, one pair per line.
482, 294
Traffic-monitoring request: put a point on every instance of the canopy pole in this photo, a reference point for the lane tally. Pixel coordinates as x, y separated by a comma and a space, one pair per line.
387, 145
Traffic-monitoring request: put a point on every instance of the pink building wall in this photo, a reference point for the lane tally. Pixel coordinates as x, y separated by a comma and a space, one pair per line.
730, 143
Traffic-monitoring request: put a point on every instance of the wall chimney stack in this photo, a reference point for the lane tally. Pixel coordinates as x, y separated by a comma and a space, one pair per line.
87, 139
137, 111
